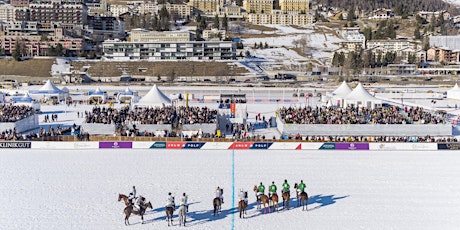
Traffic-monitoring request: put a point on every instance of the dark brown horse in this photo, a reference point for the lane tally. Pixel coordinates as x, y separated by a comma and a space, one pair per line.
125, 199
217, 203
302, 198
130, 210
274, 200
262, 198
242, 205
286, 199
169, 214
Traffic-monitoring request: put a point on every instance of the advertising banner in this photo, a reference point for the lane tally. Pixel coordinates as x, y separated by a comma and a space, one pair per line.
261, 145
241, 145
175, 145
115, 145
352, 146
327, 146
193, 145
14, 145
158, 145
448, 146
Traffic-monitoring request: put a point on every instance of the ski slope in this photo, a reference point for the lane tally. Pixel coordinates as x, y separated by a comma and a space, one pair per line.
78, 189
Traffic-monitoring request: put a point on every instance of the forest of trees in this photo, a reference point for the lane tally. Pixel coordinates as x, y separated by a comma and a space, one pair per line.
409, 6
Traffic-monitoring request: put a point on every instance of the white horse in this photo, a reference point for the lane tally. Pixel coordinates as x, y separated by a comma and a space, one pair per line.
182, 215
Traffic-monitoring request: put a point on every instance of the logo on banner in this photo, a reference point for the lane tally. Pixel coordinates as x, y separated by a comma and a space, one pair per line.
449, 146
352, 146
15, 145
175, 145
158, 145
241, 145
327, 146
193, 145
261, 145
115, 145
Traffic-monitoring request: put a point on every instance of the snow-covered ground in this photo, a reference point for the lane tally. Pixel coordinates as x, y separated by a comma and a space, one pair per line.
78, 189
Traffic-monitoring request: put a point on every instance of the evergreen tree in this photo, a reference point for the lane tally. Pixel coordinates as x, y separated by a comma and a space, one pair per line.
225, 22
417, 33
367, 33
17, 52
216, 23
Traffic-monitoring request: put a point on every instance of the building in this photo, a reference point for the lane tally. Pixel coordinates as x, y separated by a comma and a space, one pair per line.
7, 13
177, 11
214, 34
295, 5
35, 45
281, 18
117, 10
142, 35
171, 51
72, 13
100, 28
428, 16
451, 42
443, 54
394, 45
19, 2
207, 6
258, 6
382, 14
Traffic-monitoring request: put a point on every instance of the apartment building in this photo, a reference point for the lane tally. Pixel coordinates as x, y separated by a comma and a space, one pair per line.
7, 13
443, 54
142, 35
177, 11
34, 45
295, 5
207, 6
281, 18
169, 51
258, 6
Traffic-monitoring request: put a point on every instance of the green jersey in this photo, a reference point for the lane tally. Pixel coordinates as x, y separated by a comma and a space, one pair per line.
302, 187
273, 188
286, 186
261, 188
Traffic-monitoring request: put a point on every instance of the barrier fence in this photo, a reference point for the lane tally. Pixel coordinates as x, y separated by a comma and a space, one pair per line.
250, 146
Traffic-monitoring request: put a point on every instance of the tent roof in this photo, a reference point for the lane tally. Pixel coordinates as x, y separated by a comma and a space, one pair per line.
49, 86
455, 88
360, 94
154, 97
98, 91
25, 98
343, 90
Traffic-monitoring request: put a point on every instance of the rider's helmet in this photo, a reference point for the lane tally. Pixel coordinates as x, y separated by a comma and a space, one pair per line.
241, 189
218, 187
273, 182
183, 194
169, 193
260, 183
285, 180
301, 181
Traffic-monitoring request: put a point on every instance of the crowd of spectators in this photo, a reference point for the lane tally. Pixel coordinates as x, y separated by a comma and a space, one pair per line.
151, 115
372, 138
360, 115
13, 113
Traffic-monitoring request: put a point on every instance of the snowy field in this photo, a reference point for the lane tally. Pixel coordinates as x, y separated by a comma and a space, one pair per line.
55, 189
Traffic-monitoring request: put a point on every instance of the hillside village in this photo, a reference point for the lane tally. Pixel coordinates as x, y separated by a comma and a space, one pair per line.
269, 39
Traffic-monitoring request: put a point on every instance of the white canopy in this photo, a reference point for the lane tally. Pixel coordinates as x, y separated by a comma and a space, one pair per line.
48, 90
360, 97
154, 98
342, 91
454, 93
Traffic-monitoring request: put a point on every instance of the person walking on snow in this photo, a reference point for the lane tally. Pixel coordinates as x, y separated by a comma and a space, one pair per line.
183, 201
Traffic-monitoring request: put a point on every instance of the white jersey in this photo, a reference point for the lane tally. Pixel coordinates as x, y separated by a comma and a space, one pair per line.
183, 200
170, 201
242, 195
219, 193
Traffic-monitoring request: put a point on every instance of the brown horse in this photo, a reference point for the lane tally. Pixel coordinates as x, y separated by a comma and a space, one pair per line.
130, 210
302, 198
274, 200
125, 199
169, 214
242, 205
217, 205
286, 199
262, 198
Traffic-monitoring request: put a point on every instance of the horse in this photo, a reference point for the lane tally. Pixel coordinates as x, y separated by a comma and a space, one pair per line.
169, 214
125, 199
286, 198
274, 200
130, 210
182, 215
217, 203
302, 198
262, 198
242, 205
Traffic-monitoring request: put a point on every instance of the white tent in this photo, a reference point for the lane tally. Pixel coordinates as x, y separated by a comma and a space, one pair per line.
96, 97
48, 91
127, 96
360, 97
27, 101
338, 95
154, 98
454, 93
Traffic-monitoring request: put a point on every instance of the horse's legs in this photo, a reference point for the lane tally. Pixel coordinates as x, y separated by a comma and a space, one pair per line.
142, 219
